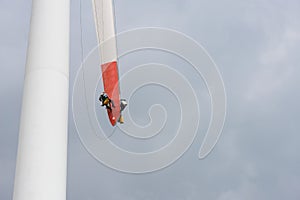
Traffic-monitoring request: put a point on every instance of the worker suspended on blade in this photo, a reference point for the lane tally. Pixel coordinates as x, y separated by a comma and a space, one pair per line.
106, 101
109, 104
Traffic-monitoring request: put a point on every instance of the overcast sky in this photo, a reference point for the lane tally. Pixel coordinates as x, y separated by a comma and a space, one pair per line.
256, 46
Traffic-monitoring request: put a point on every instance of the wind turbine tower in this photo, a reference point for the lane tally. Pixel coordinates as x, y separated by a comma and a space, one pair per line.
42, 151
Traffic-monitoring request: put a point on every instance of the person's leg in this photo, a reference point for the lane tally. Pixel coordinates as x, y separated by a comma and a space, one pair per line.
121, 119
108, 107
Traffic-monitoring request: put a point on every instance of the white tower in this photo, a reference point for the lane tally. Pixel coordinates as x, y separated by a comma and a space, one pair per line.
42, 152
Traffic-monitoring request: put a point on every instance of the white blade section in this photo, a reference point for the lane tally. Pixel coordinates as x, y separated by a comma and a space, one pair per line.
105, 29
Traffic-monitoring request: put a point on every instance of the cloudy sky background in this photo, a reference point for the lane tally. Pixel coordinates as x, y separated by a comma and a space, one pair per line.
256, 46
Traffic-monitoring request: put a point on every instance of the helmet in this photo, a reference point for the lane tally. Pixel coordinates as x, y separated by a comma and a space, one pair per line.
103, 96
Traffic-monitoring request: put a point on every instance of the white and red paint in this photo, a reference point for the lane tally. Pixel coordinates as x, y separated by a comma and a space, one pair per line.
105, 29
